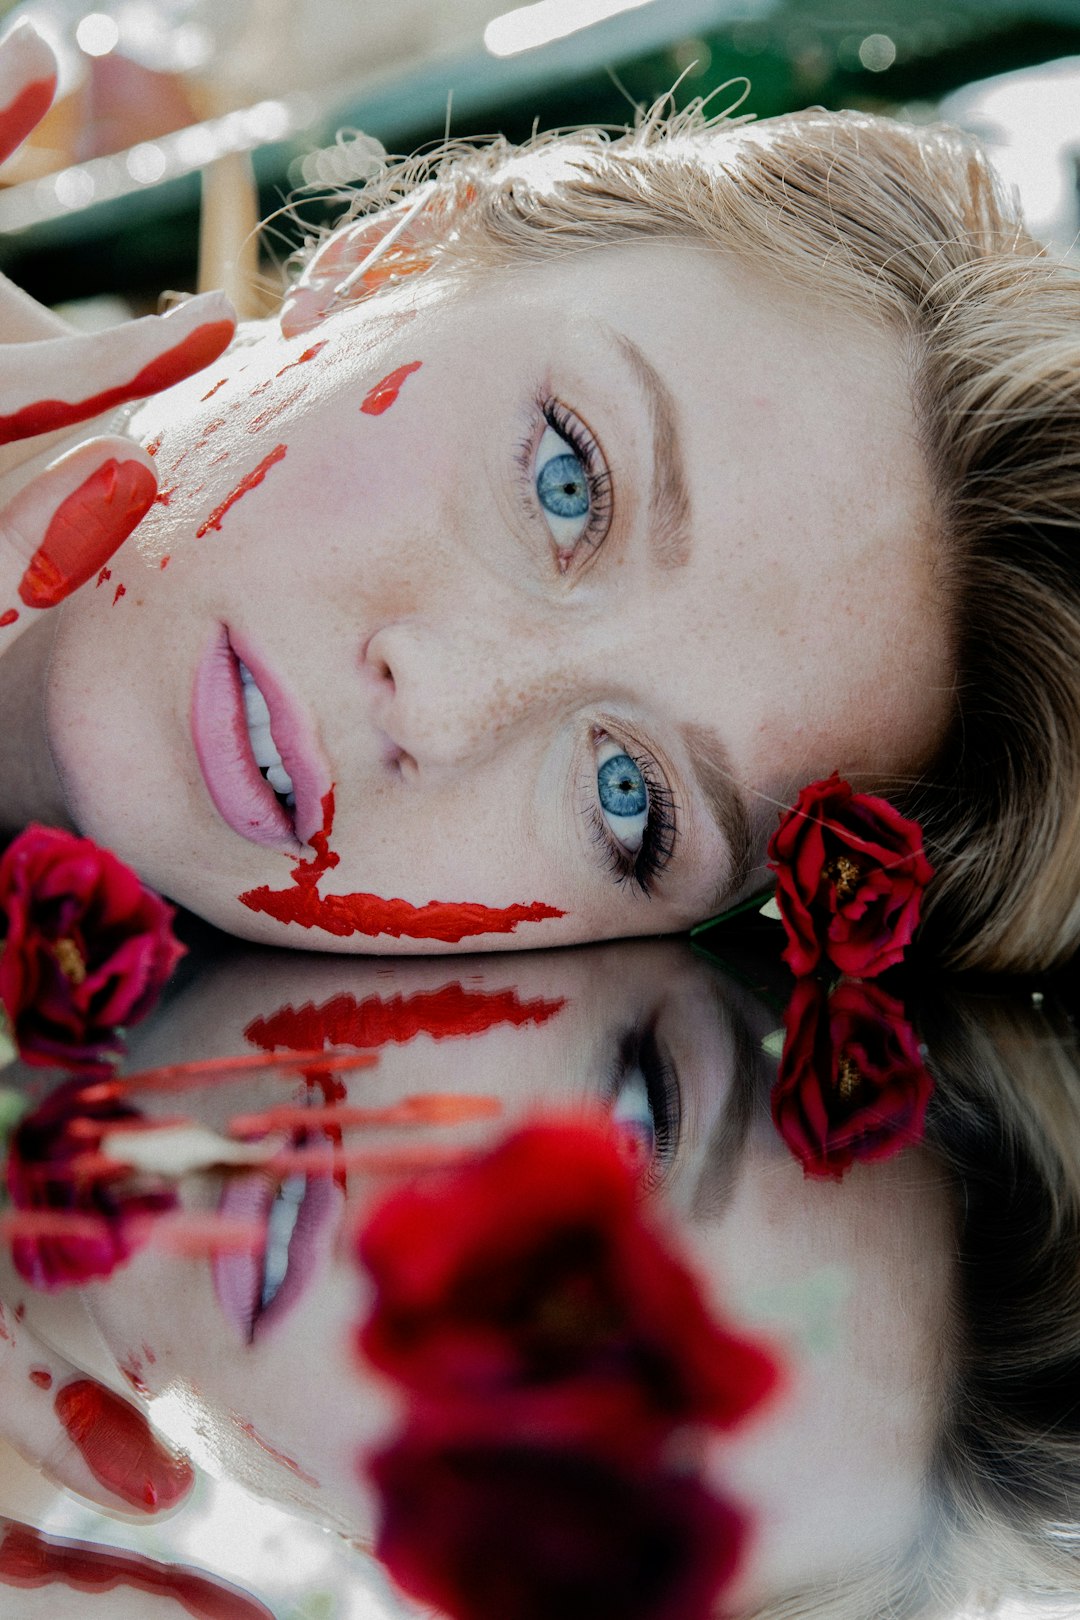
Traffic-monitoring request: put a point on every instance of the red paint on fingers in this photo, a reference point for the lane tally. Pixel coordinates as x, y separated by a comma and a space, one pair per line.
119, 1447
248, 482
86, 529
308, 354
24, 113
193, 352
342, 915
382, 396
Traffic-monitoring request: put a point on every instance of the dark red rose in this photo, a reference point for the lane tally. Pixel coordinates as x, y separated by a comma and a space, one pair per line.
531, 1273
852, 1084
86, 948
43, 1174
484, 1530
850, 878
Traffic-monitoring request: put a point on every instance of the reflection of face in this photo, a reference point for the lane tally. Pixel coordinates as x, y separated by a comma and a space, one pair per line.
537, 665
831, 1473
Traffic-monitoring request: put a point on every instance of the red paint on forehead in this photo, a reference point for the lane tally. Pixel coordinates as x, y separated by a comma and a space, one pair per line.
24, 112
249, 481
191, 354
345, 914
9, 616
308, 354
211, 391
382, 396
444, 1014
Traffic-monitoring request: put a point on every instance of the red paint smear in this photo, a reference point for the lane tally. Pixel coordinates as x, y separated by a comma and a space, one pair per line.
384, 393
23, 114
85, 530
443, 1014
437, 1109
9, 616
165, 560
211, 391
155, 445
121, 590
106, 573
191, 354
41, 1376
271, 412
248, 482
164, 496
345, 914
119, 1447
272, 1451
208, 432
308, 354
29, 1558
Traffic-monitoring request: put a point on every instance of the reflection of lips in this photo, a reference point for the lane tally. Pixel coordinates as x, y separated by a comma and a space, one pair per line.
377, 1021
238, 1274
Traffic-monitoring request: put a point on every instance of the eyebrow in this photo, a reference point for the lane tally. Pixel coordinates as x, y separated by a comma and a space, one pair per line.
711, 766
669, 497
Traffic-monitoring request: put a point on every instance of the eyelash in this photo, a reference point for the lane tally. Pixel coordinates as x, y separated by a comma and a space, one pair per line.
571, 428
639, 1049
642, 867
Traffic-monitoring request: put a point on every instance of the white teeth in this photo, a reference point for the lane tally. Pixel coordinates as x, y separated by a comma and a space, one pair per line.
263, 746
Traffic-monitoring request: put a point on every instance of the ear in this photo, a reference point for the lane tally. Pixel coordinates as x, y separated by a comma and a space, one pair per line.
359, 259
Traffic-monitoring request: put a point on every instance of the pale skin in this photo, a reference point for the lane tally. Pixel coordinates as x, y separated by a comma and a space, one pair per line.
460, 661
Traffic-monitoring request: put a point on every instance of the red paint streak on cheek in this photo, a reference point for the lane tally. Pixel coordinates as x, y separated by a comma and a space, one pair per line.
23, 114
248, 482
210, 392
344, 914
279, 1456
41, 1376
87, 528
194, 352
443, 1014
9, 616
121, 590
384, 393
29, 1558
119, 1447
302, 360
271, 412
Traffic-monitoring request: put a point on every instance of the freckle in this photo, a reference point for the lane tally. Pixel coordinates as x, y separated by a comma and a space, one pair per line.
106, 573
41, 1376
9, 616
121, 590
209, 430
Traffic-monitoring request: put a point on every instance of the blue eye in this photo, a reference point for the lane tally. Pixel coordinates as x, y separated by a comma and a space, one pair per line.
563, 488
623, 795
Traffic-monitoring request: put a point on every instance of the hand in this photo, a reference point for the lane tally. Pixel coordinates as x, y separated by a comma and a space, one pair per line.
64, 524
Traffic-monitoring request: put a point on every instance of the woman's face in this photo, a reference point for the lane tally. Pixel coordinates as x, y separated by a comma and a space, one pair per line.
561, 582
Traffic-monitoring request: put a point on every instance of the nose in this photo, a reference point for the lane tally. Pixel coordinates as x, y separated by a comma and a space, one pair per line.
456, 695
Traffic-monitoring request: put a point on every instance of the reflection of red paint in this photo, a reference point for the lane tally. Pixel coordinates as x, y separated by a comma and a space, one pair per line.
211, 391
85, 529
271, 1451
248, 482
9, 616
41, 1376
437, 1108
345, 914
308, 354
384, 393
376, 1021
4, 1334
121, 590
24, 113
119, 1447
191, 354
29, 1558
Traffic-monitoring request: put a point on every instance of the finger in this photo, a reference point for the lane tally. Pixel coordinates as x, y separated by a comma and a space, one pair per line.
62, 528
27, 84
81, 1435
57, 382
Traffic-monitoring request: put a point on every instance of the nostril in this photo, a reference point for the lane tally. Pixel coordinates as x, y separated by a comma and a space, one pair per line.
375, 663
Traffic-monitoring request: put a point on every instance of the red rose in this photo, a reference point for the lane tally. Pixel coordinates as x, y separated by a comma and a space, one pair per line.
850, 879
852, 1084
483, 1530
86, 950
530, 1274
42, 1175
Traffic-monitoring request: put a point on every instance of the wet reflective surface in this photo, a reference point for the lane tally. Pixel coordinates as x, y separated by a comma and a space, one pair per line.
888, 1200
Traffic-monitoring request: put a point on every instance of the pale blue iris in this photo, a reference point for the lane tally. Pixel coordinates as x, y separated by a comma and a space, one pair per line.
622, 787
562, 487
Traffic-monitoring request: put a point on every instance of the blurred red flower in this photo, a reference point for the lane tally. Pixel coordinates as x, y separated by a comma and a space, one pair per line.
852, 1083
850, 878
44, 1174
86, 949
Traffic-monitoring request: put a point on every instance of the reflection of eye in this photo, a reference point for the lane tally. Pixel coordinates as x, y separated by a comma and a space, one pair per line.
570, 482
645, 1105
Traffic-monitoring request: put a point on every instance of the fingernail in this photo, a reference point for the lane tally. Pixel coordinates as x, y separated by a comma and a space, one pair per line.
119, 1447
86, 529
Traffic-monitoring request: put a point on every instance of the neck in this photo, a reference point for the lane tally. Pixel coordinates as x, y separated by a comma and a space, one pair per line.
29, 785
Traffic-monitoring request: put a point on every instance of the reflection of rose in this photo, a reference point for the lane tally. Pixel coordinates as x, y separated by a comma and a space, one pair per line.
852, 1084
87, 948
490, 1530
850, 879
42, 1175
530, 1275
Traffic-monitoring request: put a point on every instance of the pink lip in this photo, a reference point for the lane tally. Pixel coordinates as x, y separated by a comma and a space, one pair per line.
241, 794
238, 1276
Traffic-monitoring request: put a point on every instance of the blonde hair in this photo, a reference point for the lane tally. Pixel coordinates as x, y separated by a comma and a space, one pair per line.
906, 226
